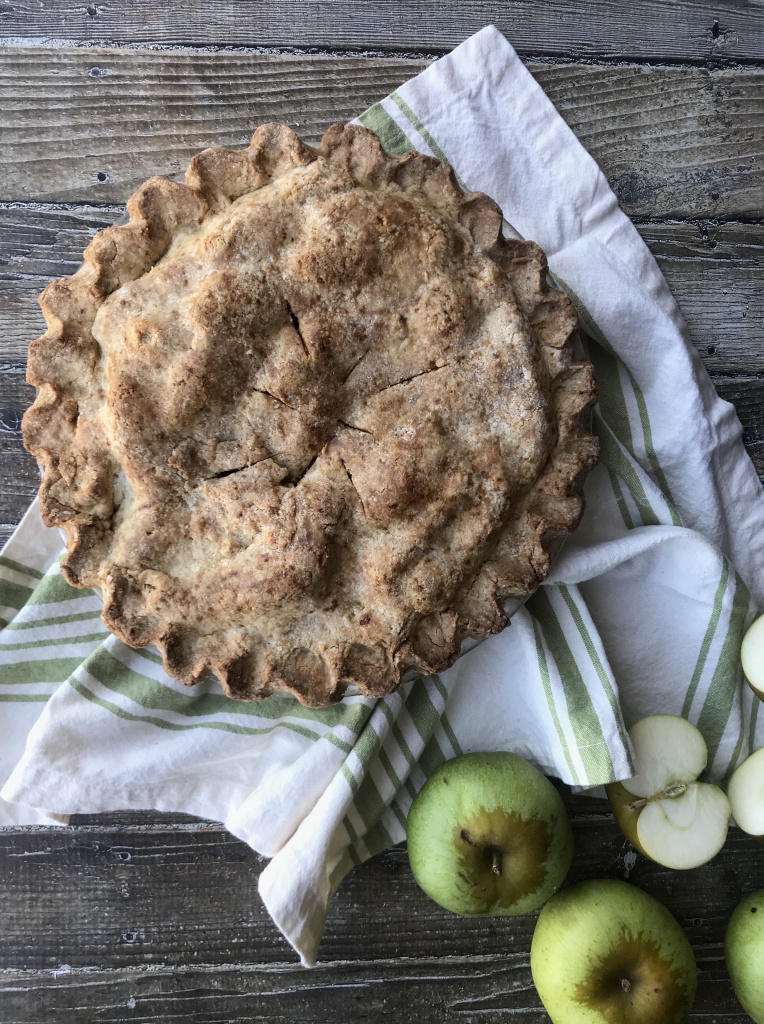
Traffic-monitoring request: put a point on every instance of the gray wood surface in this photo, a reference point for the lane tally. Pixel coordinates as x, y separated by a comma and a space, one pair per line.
90, 125
166, 926
689, 30
147, 918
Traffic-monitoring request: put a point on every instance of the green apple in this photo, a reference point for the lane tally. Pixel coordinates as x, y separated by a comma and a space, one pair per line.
604, 952
744, 947
664, 811
488, 834
752, 656
746, 796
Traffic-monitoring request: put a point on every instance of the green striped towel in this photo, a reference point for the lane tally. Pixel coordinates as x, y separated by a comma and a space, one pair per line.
644, 611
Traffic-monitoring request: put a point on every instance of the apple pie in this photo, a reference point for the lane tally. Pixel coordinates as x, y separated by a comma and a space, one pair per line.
308, 420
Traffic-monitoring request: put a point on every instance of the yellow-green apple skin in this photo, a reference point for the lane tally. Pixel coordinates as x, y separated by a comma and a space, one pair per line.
622, 805
744, 948
489, 834
604, 952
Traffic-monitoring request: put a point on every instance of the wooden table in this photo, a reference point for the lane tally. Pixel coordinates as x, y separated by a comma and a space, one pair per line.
145, 918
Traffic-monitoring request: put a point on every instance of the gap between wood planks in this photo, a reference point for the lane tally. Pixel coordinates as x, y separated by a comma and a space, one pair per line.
719, 62
271, 967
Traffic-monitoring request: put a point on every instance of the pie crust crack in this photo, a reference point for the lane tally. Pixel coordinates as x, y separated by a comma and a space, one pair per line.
309, 420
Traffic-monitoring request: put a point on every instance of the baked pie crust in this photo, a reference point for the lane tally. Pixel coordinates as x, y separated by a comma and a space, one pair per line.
309, 420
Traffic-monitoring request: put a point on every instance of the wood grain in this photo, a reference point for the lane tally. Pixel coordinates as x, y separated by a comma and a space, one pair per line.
91, 125
496, 989
37, 245
694, 30
133, 934
73, 115
154, 919
715, 272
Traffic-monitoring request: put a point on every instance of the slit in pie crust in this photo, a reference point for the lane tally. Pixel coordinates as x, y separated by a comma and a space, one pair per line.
308, 419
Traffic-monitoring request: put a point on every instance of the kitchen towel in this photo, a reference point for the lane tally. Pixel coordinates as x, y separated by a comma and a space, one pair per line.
643, 613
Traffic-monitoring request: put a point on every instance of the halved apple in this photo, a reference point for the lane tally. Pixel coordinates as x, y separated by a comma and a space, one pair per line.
752, 656
746, 795
664, 811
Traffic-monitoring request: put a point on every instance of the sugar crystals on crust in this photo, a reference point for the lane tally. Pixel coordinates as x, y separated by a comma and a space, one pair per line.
308, 419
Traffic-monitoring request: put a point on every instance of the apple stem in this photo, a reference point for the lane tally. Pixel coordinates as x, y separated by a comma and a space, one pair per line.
676, 790
496, 866
626, 984
669, 793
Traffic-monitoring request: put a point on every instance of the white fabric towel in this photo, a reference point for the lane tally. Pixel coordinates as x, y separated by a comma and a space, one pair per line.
643, 613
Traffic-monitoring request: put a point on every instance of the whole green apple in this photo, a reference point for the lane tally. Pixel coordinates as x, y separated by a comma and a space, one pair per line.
604, 952
488, 834
744, 947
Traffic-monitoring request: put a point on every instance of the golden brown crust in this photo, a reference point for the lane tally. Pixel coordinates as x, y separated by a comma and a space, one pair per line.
309, 419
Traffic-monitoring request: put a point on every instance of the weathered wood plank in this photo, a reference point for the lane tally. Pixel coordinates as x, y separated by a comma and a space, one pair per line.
495, 989
695, 30
91, 125
747, 395
134, 934
19, 480
134, 903
37, 245
715, 273
72, 115
659, 134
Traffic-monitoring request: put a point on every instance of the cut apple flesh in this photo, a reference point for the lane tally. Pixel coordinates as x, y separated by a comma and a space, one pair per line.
746, 794
685, 831
752, 656
670, 752
670, 816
